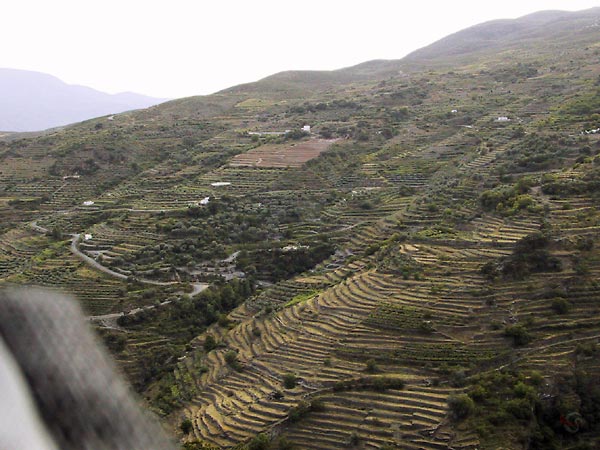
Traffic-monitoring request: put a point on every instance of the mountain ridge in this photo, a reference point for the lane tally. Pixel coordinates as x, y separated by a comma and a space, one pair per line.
466, 44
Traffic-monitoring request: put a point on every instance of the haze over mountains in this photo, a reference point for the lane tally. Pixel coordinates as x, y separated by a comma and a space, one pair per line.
421, 271
33, 101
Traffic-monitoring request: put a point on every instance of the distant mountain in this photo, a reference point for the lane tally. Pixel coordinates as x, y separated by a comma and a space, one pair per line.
33, 101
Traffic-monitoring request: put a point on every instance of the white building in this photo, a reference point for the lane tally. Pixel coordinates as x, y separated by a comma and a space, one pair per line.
306, 128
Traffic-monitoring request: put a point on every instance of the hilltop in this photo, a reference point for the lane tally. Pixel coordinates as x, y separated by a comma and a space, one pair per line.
34, 101
418, 269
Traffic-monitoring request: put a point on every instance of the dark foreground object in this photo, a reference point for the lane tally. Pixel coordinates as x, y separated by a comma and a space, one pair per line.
49, 355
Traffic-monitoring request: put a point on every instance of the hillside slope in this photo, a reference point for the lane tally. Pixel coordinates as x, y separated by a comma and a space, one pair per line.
530, 30
418, 272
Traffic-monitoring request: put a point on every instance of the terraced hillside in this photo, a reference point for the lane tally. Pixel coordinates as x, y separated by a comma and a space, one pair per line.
419, 272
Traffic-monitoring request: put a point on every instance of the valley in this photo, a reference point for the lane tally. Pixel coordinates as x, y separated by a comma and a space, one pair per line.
417, 271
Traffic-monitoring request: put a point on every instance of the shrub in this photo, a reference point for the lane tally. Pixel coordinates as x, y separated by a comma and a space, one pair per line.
299, 411
284, 444
519, 334
259, 442
586, 349
57, 233
560, 305
478, 393
232, 360
223, 320
521, 390
520, 408
197, 445
296, 135
186, 426
461, 406
115, 342
317, 405
304, 407
290, 380
371, 366
209, 343
369, 383
530, 255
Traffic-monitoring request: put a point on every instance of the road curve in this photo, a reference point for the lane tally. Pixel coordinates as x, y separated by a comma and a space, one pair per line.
92, 262
197, 287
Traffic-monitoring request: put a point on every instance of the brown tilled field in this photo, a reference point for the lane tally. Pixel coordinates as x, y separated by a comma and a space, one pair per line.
282, 155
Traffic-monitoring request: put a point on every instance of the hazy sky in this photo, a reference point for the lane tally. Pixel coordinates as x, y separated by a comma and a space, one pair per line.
177, 48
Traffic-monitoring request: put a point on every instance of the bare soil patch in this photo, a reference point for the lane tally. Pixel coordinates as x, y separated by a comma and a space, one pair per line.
282, 155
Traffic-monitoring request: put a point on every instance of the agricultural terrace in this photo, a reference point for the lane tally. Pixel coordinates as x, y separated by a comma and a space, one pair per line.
289, 154
428, 282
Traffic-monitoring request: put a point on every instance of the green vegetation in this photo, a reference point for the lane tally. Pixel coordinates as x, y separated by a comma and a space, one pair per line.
461, 406
290, 380
530, 255
304, 408
519, 334
186, 426
510, 200
302, 298
283, 263
514, 407
434, 262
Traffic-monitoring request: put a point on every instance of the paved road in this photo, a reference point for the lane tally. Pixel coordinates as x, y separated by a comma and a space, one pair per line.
92, 262
110, 320
198, 287
96, 265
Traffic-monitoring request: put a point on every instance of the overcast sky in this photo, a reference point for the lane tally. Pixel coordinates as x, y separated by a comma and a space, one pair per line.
178, 48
